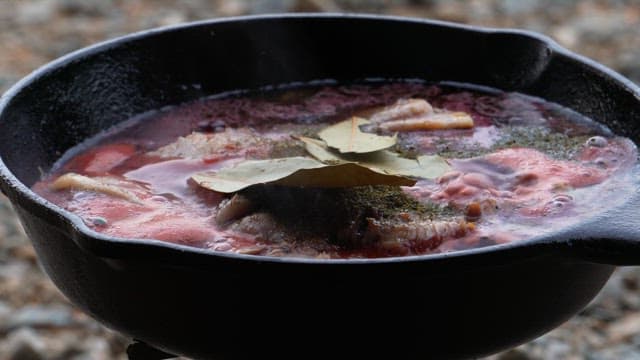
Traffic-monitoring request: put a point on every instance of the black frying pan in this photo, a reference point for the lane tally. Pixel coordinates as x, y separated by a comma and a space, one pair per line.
212, 305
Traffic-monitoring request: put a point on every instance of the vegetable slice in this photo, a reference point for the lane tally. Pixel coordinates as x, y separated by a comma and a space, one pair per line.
439, 121
80, 182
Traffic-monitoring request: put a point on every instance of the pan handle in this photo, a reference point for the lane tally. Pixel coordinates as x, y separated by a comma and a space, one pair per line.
611, 238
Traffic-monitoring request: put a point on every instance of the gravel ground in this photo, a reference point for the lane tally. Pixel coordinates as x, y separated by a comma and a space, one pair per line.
37, 322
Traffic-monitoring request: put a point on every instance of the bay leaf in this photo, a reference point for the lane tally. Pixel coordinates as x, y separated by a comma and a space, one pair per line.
343, 175
319, 150
388, 162
436, 164
294, 171
430, 167
347, 137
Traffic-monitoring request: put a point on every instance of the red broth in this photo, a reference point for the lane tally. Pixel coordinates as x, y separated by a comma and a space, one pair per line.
525, 168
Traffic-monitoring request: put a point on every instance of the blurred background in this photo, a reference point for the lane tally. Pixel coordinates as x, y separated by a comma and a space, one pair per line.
37, 322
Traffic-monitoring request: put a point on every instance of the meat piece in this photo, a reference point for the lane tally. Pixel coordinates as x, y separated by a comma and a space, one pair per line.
100, 160
197, 145
414, 236
382, 219
175, 228
526, 181
234, 208
263, 227
402, 109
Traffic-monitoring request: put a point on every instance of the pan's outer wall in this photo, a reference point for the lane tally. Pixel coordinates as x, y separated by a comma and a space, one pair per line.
233, 308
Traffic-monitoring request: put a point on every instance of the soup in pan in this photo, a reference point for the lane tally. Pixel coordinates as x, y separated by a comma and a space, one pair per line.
346, 171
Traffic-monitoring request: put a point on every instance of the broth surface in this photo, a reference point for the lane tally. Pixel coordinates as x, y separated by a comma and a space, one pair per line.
525, 167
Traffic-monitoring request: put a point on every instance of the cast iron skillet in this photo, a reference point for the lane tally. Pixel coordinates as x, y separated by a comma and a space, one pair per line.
211, 305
